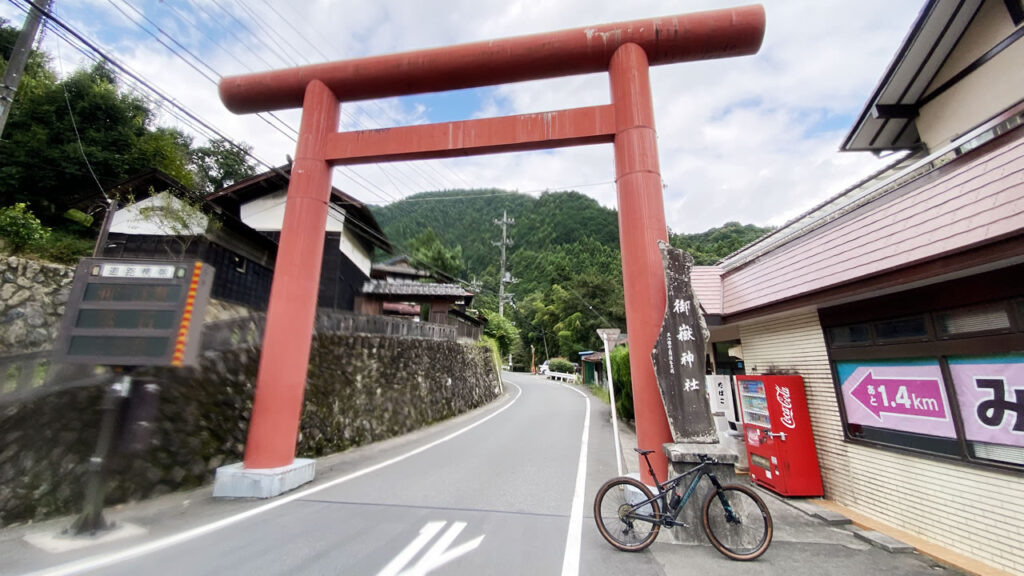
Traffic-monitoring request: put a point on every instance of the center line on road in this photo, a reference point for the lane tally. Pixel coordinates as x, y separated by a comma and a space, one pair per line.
437, 508
571, 560
99, 561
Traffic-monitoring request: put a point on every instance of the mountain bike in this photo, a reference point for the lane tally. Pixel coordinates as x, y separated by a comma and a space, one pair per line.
734, 518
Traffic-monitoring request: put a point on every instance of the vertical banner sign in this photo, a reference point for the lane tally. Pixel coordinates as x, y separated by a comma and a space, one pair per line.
990, 391
678, 355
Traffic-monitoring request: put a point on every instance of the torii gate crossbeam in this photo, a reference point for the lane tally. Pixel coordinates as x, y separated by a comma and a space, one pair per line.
624, 50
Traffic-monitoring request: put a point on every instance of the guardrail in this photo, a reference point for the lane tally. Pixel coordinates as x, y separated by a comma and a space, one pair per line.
563, 376
23, 376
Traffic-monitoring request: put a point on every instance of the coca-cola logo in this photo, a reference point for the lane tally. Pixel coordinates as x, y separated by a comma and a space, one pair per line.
782, 395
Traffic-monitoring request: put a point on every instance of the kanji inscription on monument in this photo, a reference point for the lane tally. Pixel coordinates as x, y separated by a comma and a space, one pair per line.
678, 356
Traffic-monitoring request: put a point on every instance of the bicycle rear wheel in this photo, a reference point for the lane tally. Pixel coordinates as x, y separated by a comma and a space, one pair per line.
616, 520
737, 522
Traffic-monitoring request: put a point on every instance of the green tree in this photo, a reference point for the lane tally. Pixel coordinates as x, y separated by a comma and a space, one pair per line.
716, 243
427, 251
220, 164
45, 151
502, 330
565, 257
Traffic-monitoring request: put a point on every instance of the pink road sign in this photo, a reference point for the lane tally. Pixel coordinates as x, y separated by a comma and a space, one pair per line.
903, 398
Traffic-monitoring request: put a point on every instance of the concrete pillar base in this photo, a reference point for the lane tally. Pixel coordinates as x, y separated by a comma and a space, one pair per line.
236, 481
681, 458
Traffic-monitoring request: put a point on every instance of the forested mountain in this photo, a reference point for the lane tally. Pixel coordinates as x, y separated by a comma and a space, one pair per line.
564, 257
717, 243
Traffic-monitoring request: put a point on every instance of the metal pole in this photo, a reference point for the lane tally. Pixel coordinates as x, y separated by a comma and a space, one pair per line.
108, 219
91, 519
611, 394
22, 48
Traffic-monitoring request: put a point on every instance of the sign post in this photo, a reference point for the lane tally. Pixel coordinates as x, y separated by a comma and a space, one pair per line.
612, 334
126, 314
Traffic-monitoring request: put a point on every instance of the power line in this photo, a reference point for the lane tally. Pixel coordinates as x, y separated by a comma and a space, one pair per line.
113, 62
411, 167
216, 75
178, 110
78, 137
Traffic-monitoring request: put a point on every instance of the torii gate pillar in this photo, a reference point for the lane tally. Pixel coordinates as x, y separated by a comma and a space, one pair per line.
624, 50
641, 225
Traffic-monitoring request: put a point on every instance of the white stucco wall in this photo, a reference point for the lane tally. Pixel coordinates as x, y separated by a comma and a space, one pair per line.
141, 218
352, 248
267, 214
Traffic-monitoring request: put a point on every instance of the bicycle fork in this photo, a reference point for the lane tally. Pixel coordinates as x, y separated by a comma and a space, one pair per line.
730, 514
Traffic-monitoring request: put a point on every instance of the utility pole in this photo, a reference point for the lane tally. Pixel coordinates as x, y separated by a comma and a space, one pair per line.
505, 241
22, 47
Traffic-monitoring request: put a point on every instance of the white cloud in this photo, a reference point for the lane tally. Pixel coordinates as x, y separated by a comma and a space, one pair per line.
752, 139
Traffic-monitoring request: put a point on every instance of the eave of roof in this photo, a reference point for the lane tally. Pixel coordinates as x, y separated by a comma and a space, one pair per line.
887, 120
264, 183
414, 289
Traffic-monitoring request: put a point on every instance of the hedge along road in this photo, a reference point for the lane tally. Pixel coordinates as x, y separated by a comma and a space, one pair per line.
508, 490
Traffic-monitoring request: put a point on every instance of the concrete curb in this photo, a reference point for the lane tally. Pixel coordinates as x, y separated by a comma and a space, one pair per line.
879, 540
833, 518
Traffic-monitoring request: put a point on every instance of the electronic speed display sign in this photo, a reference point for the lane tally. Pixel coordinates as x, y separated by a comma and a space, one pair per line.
134, 313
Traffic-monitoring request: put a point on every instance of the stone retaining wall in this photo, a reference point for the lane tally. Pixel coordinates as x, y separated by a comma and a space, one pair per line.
32, 298
360, 389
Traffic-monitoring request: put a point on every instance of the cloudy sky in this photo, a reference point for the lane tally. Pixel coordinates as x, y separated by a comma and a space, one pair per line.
752, 139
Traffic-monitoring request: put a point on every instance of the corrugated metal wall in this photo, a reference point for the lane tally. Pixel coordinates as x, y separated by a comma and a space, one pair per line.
975, 511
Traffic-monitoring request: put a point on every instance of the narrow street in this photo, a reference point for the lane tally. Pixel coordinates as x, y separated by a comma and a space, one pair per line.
495, 491
492, 493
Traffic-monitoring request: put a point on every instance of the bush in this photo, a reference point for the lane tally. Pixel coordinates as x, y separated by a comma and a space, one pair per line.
492, 346
623, 383
560, 365
64, 247
20, 227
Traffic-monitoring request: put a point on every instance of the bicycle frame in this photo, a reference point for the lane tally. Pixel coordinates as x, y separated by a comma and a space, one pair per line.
668, 517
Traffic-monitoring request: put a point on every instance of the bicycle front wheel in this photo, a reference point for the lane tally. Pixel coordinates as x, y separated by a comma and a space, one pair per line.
737, 522
617, 520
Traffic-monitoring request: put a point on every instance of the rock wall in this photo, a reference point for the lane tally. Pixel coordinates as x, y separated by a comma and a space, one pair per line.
32, 298
360, 389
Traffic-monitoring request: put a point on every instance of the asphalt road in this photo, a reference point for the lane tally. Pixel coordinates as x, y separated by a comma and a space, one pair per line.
498, 491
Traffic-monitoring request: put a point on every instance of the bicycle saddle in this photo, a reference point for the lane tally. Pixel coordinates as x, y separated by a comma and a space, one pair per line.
643, 452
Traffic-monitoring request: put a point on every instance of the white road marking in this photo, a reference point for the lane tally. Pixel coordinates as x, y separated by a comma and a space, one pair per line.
571, 560
438, 555
99, 561
410, 551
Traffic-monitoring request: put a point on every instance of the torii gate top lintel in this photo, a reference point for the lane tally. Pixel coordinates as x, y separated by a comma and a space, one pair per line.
671, 39
625, 51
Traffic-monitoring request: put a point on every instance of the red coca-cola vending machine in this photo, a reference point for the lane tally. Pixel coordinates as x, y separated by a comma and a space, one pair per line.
777, 429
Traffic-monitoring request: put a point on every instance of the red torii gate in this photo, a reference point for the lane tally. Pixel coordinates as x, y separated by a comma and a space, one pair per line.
625, 50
